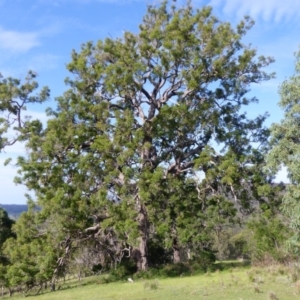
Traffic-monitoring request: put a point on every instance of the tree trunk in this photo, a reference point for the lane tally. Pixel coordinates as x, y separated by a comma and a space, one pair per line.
143, 223
189, 254
11, 292
142, 262
176, 252
52, 287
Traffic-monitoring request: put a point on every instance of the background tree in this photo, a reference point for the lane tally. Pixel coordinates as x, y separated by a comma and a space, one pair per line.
285, 141
5, 233
14, 97
31, 253
144, 115
6, 224
15, 126
267, 239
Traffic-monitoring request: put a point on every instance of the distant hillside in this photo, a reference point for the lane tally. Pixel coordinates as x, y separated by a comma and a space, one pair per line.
14, 210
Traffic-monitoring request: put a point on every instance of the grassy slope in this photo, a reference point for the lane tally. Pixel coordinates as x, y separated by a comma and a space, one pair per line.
237, 284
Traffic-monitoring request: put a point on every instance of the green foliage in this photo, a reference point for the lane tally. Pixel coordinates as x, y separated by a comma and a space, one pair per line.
269, 236
124, 270
31, 255
14, 96
203, 262
150, 273
230, 244
158, 255
286, 148
5, 233
5, 226
175, 270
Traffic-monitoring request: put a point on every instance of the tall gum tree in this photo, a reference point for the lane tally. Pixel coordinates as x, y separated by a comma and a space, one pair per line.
139, 121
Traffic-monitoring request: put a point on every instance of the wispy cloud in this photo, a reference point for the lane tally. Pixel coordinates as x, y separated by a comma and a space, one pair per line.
61, 2
268, 10
19, 65
18, 41
43, 62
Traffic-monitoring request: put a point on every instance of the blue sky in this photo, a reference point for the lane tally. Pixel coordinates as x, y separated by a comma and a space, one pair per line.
39, 35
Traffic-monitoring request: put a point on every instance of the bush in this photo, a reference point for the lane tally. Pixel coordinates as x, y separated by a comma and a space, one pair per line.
149, 274
269, 236
123, 270
158, 256
203, 262
175, 270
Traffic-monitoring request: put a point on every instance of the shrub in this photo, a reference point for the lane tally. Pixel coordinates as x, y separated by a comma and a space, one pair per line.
123, 270
151, 285
175, 270
203, 262
149, 274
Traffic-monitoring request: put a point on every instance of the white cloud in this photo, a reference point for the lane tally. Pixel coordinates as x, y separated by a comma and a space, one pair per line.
18, 41
268, 10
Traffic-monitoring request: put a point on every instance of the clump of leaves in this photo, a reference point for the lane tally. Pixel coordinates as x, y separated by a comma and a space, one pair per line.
297, 287
151, 285
234, 279
272, 296
174, 270
251, 277
107, 279
259, 280
208, 273
147, 274
256, 275
294, 274
256, 289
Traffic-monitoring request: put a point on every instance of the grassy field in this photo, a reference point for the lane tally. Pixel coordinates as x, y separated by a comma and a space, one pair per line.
240, 284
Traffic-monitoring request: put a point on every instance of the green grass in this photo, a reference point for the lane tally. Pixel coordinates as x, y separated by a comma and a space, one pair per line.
255, 284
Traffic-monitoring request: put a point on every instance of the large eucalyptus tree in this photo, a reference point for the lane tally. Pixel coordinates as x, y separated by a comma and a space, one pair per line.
145, 115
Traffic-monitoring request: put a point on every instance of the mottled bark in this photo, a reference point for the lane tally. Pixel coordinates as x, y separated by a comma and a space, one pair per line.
176, 252
142, 262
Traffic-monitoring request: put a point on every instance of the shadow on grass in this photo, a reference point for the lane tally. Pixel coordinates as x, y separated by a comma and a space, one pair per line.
70, 284
229, 264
